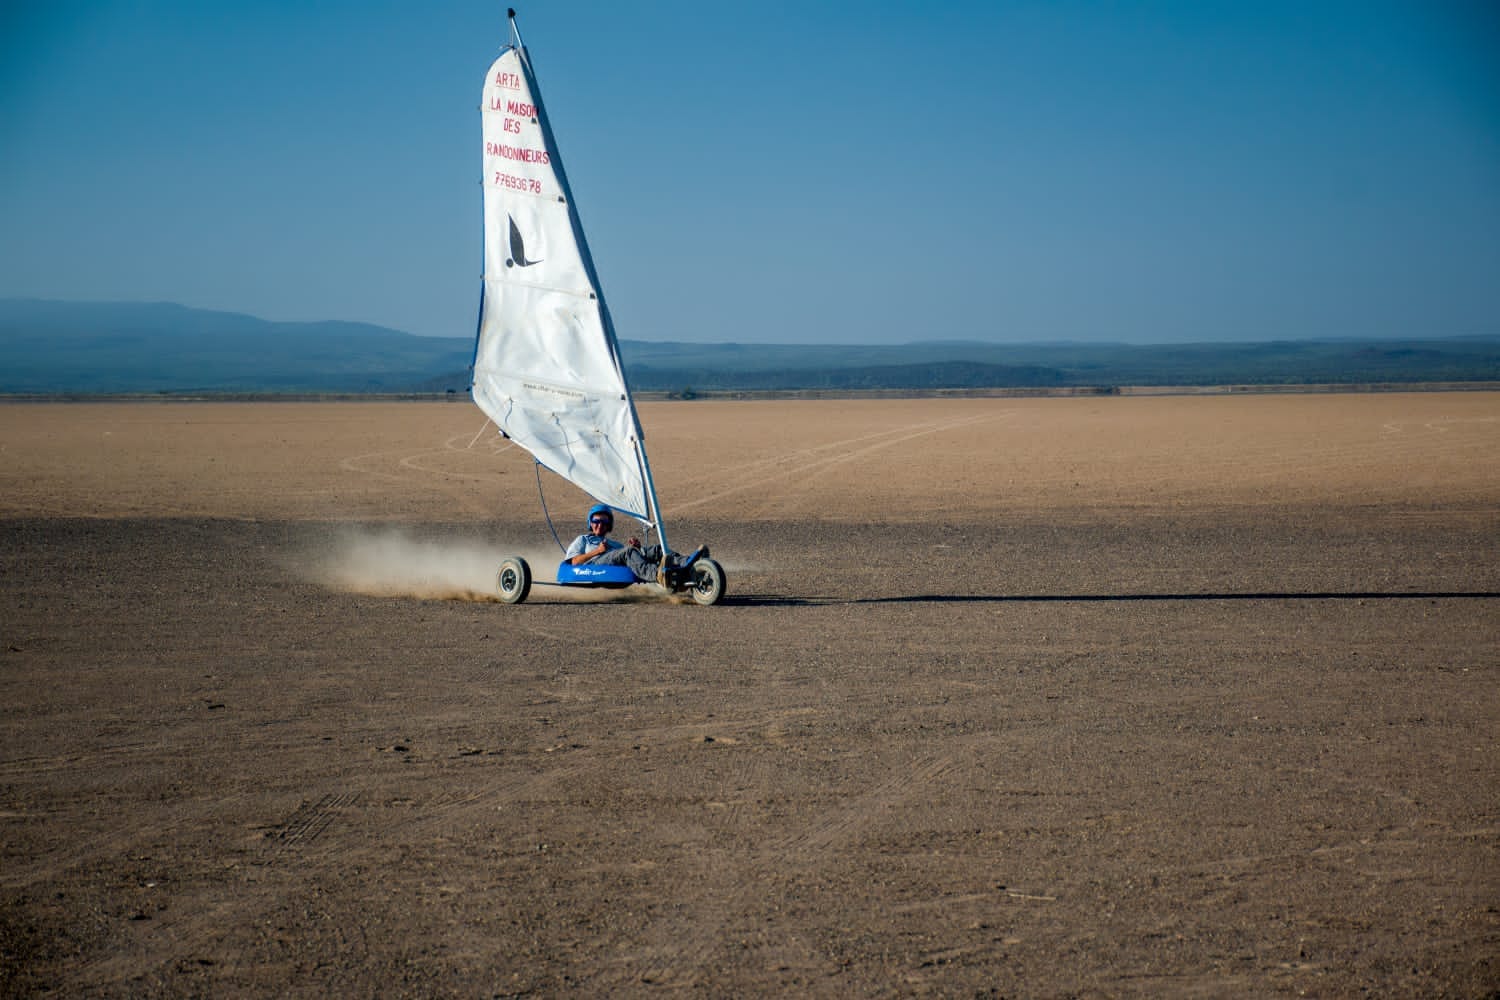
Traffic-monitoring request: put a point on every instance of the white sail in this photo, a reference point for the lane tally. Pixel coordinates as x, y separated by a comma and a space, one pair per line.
546, 365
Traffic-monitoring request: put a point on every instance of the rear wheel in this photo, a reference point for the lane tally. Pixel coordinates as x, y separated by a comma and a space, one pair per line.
708, 582
513, 580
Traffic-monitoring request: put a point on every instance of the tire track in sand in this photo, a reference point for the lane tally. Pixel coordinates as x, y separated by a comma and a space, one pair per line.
563, 768
809, 464
307, 823
411, 469
682, 950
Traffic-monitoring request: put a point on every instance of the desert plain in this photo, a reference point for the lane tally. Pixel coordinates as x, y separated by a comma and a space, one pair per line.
1118, 696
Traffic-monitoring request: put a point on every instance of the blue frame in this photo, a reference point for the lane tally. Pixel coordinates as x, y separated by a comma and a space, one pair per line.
585, 575
595, 576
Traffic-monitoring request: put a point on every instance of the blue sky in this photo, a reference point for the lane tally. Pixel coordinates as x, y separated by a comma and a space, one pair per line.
793, 172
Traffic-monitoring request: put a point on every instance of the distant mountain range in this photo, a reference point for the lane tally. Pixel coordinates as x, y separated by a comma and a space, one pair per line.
110, 347
51, 347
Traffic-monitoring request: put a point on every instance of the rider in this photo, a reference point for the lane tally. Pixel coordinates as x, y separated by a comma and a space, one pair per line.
595, 547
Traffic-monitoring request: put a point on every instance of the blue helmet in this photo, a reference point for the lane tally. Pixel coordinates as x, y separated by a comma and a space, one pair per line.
598, 508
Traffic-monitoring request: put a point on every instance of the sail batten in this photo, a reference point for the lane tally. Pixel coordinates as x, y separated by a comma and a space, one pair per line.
547, 368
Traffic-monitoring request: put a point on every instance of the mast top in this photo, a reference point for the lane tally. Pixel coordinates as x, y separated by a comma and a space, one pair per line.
515, 32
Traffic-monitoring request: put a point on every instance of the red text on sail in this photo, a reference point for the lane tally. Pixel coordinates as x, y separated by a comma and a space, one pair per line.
514, 183
513, 153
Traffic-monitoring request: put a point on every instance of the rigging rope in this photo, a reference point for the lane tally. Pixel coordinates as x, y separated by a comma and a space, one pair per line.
545, 513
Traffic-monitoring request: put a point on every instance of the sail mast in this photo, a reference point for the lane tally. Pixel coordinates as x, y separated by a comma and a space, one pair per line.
655, 511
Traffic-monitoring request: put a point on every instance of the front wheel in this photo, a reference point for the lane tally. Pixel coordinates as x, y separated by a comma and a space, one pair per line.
708, 582
513, 580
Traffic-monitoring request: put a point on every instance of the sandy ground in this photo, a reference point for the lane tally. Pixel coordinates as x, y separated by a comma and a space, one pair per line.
1053, 697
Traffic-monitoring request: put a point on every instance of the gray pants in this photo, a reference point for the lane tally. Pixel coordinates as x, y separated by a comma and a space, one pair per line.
642, 562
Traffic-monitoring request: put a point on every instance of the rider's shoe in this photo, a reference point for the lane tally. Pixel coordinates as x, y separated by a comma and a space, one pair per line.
664, 571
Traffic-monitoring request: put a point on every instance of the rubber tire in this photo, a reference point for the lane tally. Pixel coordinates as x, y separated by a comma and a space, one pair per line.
513, 580
708, 583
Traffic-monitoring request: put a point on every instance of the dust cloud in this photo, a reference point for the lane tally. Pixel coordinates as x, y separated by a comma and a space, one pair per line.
390, 562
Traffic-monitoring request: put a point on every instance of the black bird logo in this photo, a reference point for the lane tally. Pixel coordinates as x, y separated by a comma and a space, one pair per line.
517, 248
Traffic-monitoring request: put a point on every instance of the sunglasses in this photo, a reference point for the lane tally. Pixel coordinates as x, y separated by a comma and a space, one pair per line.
600, 520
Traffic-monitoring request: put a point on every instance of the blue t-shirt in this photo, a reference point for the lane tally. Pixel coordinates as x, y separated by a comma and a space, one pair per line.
586, 541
